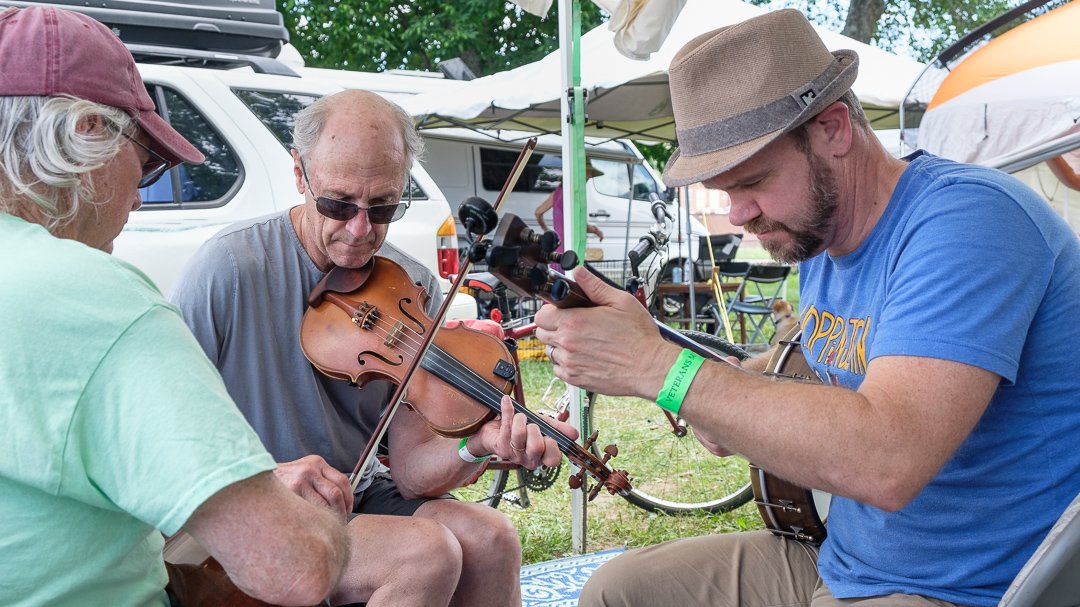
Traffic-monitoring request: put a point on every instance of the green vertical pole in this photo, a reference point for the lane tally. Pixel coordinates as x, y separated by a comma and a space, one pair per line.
574, 213
577, 135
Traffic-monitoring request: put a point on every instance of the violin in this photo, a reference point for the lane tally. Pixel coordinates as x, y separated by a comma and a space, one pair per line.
369, 324
198, 580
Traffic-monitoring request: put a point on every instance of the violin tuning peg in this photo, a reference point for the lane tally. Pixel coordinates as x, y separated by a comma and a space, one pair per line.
611, 450
568, 260
592, 439
559, 290
549, 241
478, 251
477, 215
595, 491
538, 277
575, 481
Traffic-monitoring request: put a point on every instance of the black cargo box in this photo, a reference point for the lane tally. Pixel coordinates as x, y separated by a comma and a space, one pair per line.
248, 27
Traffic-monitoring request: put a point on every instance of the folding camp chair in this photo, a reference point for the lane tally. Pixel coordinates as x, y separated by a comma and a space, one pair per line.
714, 250
762, 285
1051, 577
721, 248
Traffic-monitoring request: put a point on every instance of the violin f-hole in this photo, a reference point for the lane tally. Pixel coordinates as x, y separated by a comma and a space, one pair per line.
393, 363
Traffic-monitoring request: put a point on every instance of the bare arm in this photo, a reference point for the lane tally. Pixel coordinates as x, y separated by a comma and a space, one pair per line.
275, 546
544, 207
879, 445
426, 464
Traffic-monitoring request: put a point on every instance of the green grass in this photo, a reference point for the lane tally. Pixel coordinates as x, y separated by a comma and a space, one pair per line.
545, 527
647, 456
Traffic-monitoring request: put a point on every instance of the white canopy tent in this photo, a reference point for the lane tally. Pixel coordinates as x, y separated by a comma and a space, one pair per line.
628, 98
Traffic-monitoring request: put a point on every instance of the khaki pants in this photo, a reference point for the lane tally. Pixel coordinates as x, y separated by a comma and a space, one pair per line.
753, 569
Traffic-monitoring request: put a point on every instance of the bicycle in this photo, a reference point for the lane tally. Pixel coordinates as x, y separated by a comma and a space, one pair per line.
688, 478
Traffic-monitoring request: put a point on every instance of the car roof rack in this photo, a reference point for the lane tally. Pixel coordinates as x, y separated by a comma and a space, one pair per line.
151, 53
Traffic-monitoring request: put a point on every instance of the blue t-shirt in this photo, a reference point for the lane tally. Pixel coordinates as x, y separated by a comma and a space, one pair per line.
967, 265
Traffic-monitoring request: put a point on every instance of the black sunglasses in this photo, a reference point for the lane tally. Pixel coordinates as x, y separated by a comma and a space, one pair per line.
153, 168
339, 210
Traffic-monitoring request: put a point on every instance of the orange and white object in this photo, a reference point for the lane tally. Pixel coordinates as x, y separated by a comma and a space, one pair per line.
1017, 92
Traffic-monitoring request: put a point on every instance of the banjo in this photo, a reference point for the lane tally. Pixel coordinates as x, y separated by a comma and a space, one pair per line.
789, 510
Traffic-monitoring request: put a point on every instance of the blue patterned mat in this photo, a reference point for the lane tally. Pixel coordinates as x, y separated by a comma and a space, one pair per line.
557, 583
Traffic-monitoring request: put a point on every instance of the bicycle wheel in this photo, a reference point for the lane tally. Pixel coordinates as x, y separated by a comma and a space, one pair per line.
687, 478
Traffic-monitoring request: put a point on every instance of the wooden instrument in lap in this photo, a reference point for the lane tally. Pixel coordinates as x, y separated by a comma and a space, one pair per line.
789, 510
197, 580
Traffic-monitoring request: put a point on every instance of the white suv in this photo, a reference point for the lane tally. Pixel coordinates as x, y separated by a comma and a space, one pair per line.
242, 121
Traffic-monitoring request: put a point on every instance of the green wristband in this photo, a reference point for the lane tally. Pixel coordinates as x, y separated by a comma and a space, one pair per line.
678, 381
465, 455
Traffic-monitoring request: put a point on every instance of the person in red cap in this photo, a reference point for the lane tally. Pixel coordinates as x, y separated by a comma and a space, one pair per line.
114, 427
939, 302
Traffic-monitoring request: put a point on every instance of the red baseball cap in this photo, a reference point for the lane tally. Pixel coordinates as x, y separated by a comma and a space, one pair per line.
45, 51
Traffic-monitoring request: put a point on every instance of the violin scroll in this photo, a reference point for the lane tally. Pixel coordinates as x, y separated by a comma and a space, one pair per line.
615, 481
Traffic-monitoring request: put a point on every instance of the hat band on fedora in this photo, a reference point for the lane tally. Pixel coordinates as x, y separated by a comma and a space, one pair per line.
773, 116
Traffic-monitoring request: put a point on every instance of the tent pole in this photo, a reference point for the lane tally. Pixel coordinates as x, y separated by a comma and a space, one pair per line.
691, 261
574, 209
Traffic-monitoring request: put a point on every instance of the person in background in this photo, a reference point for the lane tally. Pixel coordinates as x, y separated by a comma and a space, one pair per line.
244, 295
554, 203
114, 427
945, 421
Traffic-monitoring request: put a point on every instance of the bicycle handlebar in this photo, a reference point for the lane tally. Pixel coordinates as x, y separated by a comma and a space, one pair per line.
655, 238
659, 209
646, 245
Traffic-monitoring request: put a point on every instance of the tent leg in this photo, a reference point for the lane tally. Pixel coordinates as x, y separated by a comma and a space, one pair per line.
573, 141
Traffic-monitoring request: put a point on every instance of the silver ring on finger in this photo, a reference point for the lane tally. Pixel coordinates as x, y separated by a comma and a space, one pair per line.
551, 354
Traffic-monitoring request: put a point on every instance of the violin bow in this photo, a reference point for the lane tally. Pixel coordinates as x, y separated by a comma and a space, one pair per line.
370, 451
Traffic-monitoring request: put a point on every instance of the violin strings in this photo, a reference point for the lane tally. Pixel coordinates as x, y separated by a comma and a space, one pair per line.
494, 395
442, 362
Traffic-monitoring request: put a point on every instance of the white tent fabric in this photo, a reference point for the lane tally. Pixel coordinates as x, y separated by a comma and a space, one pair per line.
628, 98
1007, 116
641, 26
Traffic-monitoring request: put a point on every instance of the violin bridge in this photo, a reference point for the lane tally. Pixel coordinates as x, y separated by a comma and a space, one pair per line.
364, 315
394, 336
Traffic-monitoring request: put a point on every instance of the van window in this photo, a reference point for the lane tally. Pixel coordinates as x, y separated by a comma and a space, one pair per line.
616, 180
206, 183
278, 112
543, 172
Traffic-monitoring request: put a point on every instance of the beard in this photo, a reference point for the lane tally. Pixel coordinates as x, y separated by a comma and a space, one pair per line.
807, 239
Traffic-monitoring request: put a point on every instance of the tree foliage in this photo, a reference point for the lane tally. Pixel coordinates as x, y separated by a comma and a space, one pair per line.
917, 28
376, 35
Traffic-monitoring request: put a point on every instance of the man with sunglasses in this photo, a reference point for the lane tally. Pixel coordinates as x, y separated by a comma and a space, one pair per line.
244, 295
114, 428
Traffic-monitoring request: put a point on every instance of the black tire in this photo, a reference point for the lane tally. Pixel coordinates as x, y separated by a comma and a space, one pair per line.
690, 479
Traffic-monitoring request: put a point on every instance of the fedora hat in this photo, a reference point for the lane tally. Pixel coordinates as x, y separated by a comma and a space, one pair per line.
737, 89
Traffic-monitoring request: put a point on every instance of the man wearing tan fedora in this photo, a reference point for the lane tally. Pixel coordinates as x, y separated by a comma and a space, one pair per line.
938, 304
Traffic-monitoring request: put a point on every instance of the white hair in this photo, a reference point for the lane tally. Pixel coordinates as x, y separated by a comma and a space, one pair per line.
45, 158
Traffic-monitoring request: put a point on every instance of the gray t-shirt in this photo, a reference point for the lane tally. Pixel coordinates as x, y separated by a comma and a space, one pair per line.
244, 294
